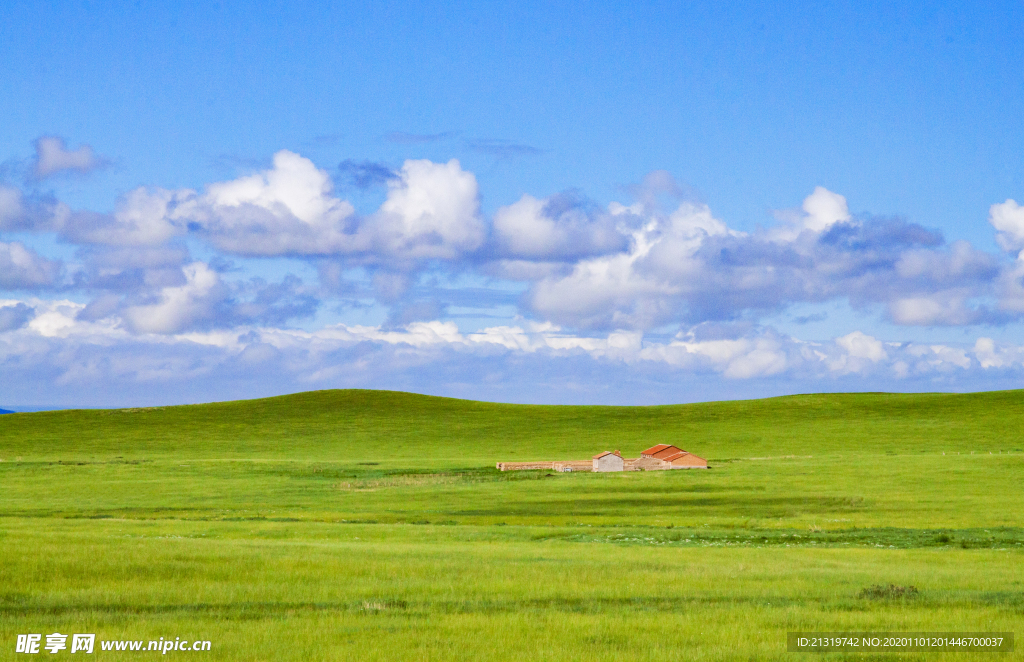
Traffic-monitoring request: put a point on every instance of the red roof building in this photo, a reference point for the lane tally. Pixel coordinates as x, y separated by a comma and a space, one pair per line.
665, 456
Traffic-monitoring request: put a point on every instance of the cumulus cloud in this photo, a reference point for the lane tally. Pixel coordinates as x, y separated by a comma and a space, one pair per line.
1011, 288
858, 351
257, 301
862, 346
36, 213
635, 267
562, 227
746, 357
995, 357
23, 268
820, 211
689, 266
824, 209
11, 208
640, 287
53, 157
13, 316
180, 306
595, 285
432, 211
129, 268
166, 292
143, 217
286, 210
1008, 220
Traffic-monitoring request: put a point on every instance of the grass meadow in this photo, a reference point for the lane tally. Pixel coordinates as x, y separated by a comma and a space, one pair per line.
361, 525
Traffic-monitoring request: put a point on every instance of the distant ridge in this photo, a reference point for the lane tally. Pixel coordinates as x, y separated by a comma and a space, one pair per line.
6, 411
407, 429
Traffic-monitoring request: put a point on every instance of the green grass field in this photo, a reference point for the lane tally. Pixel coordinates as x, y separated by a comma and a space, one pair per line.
361, 525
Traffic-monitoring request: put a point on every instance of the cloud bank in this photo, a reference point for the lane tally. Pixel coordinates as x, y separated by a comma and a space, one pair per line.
77, 354
654, 284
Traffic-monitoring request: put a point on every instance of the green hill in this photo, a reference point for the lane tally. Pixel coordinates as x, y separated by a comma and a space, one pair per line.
408, 429
834, 460
374, 526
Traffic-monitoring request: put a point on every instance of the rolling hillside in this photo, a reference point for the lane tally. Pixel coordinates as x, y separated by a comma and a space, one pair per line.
406, 429
373, 526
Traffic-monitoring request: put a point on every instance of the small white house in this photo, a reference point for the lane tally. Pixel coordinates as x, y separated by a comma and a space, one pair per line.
608, 461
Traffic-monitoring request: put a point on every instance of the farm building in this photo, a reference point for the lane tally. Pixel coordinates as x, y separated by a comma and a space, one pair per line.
655, 458
665, 456
608, 461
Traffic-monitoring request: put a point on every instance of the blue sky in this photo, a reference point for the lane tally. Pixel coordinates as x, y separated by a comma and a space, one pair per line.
536, 203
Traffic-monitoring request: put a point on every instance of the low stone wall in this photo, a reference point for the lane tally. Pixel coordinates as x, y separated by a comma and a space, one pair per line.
647, 464
557, 465
573, 465
524, 466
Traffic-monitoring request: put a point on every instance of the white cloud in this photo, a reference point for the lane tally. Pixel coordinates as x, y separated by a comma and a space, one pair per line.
53, 323
862, 346
858, 354
599, 280
58, 320
431, 212
180, 306
961, 261
689, 266
523, 229
630, 267
638, 288
992, 356
603, 292
286, 210
53, 156
294, 186
14, 315
555, 228
59, 350
938, 308
23, 268
820, 211
143, 217
824, 209
1011, 288
11, 208
740, 358
1008, 220
939, 357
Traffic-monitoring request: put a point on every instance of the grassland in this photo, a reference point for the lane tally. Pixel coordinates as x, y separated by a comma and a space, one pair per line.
372, 525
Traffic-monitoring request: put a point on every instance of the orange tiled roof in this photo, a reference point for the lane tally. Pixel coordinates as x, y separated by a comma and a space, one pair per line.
600, 455
696, 456
665, 452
